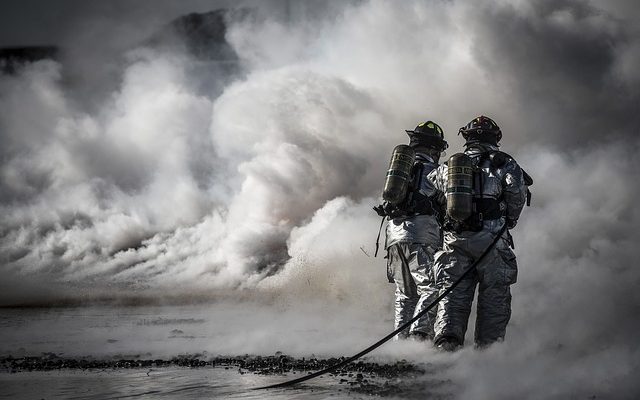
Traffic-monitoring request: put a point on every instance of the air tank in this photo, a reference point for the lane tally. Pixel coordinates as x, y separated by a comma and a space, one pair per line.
459, 187
399, 174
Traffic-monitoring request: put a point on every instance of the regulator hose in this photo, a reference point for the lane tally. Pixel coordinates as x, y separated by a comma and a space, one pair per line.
400, 329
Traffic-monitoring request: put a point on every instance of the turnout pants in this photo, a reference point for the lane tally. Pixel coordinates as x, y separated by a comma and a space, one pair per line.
493, 276
410, 267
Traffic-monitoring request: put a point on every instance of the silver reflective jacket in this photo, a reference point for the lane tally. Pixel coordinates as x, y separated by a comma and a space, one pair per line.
505, 183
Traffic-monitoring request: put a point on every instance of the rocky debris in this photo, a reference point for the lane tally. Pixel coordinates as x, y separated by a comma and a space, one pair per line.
50, 361
280, 364
363, 377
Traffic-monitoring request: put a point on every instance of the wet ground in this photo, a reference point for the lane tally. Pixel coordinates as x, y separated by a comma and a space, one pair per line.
352, 380
179, 353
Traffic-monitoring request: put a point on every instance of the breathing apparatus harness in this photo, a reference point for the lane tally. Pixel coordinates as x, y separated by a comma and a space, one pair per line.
467, 207
401, 195
412, 202
400, 328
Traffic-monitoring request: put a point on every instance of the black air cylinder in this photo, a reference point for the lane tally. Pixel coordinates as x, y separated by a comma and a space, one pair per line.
399, 174
459, 187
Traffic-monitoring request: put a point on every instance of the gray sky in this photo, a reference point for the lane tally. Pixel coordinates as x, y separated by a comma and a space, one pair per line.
36, 22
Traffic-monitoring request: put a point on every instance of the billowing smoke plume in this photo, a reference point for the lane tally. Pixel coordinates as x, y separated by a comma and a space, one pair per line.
267, 184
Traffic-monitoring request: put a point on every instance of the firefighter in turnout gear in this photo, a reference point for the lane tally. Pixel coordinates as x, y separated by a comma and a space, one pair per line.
413, 228
482, 189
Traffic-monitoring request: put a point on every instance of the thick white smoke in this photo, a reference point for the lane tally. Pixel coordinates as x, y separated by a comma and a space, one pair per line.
117, 197
268, 187
116, 193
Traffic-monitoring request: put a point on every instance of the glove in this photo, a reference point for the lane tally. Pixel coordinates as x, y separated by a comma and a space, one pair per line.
393, 211
380, 210
388, 210
511, 223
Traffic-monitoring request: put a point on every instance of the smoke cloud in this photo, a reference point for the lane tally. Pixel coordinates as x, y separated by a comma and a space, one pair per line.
264, 187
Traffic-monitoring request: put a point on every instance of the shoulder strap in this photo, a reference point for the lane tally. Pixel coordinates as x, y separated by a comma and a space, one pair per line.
418, 167
378, 238
528, 180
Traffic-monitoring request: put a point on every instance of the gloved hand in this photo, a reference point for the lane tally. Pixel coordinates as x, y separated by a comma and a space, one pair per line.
393, 211
511, 223
388, 210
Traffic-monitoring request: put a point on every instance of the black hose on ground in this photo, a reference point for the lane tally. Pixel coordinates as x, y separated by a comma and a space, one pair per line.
392, 334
